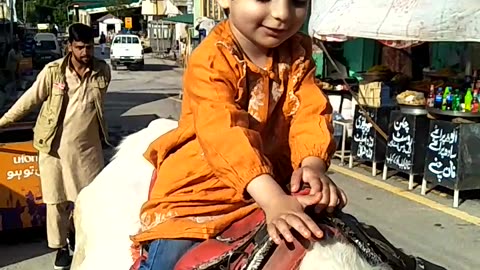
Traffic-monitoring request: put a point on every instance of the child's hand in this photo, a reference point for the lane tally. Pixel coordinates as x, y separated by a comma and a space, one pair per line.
330, 195
286, 212
283, 211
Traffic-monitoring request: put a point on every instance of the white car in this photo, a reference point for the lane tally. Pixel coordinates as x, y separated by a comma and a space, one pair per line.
46, 50
126, 50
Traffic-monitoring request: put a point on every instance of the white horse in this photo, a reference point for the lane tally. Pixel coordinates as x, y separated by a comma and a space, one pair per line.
107, 213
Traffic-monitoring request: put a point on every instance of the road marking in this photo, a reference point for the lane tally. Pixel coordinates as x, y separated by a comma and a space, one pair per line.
408, 195
176, 99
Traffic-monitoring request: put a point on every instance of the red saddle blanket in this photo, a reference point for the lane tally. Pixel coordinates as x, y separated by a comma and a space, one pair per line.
245, 242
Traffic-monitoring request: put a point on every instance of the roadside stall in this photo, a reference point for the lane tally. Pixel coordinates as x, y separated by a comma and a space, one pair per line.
439, 143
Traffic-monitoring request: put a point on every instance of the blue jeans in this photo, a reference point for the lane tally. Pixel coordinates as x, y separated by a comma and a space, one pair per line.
164, 254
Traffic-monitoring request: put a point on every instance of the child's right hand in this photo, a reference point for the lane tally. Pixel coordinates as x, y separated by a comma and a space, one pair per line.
286, 212
283, 211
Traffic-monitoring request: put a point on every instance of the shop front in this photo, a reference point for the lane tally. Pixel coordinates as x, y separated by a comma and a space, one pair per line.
416, 105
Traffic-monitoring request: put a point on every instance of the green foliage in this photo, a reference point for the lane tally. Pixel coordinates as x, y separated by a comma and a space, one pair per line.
44, 11
118, 8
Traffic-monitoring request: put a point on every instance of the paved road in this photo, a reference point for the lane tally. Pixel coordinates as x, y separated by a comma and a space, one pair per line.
135, 96
419, 230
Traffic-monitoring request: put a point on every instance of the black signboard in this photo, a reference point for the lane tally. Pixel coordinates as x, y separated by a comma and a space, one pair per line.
406, 142
442, 153
453, 157
367, 144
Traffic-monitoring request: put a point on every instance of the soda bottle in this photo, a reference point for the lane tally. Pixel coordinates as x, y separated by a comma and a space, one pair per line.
439, 98
444, 98
456, 101
449, 101
468, 100
475, 101
431, 97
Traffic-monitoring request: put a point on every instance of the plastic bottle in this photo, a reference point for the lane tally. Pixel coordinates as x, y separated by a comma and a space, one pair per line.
439, 98
468, 100
444, 98
431, 97
475, 101
456, 101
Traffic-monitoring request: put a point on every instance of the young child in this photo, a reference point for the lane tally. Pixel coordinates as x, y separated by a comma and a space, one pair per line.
251, 116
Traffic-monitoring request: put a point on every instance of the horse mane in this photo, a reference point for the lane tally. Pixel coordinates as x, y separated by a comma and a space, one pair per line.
336, 254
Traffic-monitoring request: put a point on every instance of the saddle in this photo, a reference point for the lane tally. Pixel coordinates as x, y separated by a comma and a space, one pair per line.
246, 246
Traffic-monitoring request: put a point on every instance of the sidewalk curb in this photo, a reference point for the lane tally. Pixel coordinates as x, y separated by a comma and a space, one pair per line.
407, 195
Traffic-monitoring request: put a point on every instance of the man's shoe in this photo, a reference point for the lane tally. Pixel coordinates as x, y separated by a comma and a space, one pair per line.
71, 240
63, 260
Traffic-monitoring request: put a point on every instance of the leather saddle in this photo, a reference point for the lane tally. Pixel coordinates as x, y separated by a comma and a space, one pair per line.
245, 245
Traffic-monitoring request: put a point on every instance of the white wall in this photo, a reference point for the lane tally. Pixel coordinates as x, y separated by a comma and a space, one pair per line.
84, 17
102, 27
150, 8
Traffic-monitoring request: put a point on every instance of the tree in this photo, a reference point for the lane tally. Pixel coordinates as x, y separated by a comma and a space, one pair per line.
118, 8
43, 11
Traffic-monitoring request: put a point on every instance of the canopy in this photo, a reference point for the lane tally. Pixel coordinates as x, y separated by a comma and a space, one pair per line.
184, 18
409, 20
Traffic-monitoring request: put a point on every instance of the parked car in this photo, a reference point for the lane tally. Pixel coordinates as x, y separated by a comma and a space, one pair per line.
47, 49
126, 50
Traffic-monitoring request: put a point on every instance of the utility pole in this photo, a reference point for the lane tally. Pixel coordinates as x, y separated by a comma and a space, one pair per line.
77, 16
157, 31
11, 20
198, 6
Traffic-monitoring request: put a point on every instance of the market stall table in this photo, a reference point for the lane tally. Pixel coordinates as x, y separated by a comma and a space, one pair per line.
406, 144
453, 153
367, 144
343, 94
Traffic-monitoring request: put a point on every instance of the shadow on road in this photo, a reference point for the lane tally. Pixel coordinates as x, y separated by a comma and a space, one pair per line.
158, 67
119, 103
22, 244
148, 67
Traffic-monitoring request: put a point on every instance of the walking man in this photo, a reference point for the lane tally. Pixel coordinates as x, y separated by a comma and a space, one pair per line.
13, 59
68, 131
103, 40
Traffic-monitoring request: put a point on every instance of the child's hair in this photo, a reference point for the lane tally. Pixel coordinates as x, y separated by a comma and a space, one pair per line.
226, 11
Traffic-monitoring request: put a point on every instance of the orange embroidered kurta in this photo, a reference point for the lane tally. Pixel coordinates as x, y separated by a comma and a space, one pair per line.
238, 121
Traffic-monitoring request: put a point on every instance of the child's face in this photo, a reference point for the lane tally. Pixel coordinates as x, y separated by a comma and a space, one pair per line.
266, 23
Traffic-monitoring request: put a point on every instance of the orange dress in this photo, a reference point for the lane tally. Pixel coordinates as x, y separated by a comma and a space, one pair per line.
238, 121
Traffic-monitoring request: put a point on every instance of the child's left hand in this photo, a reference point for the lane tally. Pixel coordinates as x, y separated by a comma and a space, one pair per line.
331, 196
